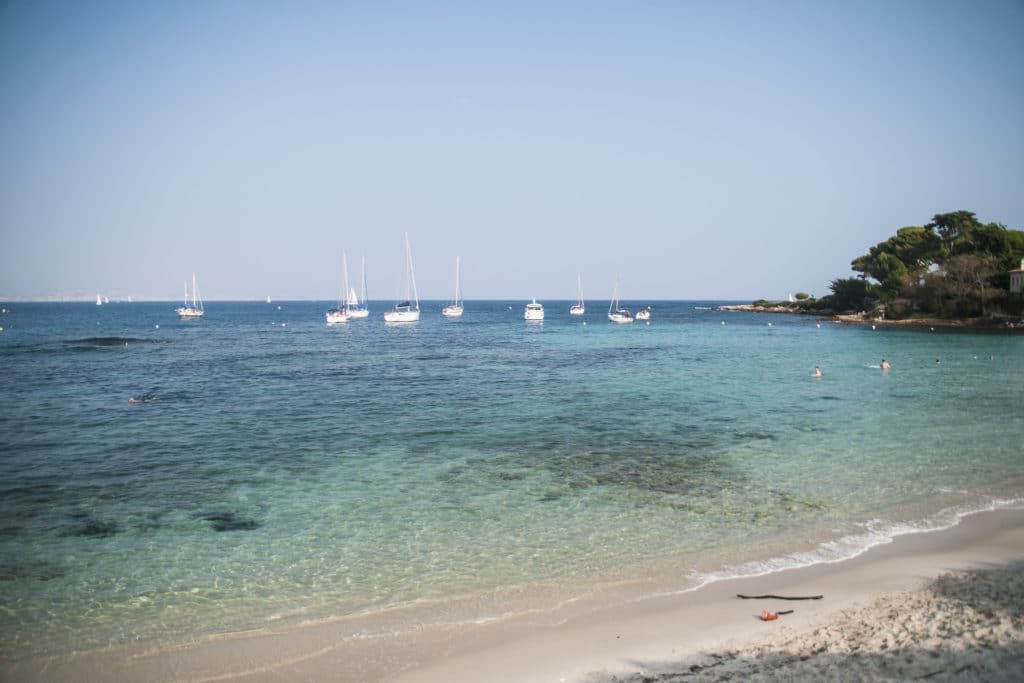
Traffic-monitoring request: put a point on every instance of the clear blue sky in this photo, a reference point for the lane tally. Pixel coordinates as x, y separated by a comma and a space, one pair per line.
691, 149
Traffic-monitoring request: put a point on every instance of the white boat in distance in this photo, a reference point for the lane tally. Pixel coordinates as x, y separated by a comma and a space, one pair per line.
534, 311
99, 301
340, 314
454, 309
616, 313
406, 310
196, 309
355, 309
644, 313
578, 308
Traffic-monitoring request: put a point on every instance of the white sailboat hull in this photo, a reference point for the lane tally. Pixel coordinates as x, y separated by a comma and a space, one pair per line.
402, 316
577, 309
452, 311
620, 318
188, 312
333, 317
358, 313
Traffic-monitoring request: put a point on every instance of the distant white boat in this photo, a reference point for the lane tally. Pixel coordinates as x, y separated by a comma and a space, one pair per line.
534, 311
196, 309
268, 299
644, 313
406, 310
340, 314
616, 313
454, 309
129, 299
355, 308
578, 308
99, 300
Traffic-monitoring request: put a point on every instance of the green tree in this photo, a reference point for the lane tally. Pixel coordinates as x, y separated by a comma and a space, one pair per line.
904, 257
850, 294
954, 227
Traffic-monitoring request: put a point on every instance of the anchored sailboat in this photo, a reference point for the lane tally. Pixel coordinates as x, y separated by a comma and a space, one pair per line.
355, 308
454, 309
406, 310
616, 313
578, 308
196, 309
340, 314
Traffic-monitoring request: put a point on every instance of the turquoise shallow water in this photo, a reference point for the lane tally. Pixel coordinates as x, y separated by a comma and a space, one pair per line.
286, 471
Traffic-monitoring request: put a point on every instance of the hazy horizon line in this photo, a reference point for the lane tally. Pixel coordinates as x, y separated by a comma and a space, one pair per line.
140, 300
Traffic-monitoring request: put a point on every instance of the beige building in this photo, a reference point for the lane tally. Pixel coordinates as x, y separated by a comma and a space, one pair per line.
1017, 279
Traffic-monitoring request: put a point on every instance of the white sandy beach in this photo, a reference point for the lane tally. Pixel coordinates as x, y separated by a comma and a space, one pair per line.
884, 616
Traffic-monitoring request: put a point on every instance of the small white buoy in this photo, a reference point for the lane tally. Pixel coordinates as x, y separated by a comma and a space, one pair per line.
872, 327
584, 323
648, 322
723, 322
284, 324
769, 324
819, 326
932, 329
157, 326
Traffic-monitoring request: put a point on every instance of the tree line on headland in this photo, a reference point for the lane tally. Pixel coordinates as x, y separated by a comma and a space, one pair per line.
953, 267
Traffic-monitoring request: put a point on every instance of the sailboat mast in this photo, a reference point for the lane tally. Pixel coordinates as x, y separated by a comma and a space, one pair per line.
193, 290
412, 274
344, 276
362, 287
456, 280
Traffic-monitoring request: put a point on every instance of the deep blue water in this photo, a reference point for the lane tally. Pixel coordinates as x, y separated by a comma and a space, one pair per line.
276, 468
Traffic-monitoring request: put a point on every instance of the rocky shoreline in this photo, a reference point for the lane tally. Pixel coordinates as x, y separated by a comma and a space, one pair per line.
864, 318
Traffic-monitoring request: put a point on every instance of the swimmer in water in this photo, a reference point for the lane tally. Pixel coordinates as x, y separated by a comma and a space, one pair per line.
817, 372
885, 364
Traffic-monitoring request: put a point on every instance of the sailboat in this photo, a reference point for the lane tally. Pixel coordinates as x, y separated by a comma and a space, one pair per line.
408, 309
644, 313
578, 308
196, 309
616, 313
268, 299
355, 310
340, 314
454, 309
99, 300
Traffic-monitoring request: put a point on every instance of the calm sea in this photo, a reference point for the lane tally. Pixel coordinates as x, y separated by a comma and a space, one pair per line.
278, 470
